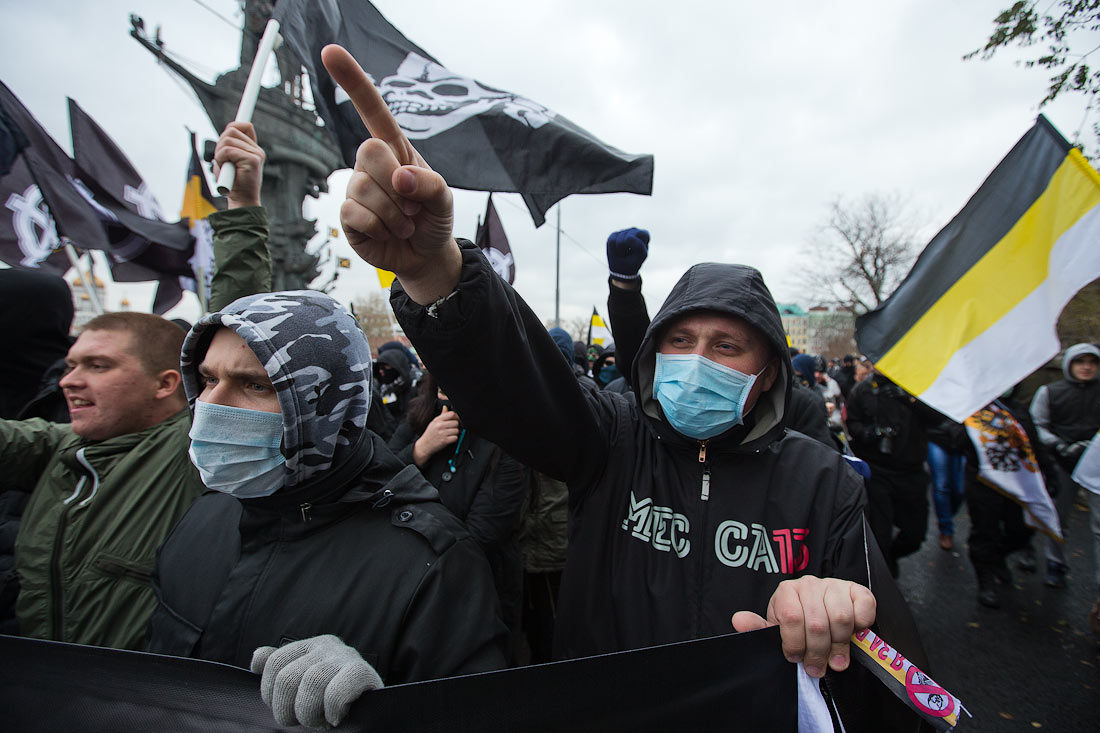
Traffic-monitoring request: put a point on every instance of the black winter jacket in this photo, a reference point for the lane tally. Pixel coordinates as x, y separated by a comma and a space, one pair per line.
668, 535
354, 544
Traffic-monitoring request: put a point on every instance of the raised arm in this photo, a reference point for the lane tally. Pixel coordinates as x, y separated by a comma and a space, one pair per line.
242, 262
484, 346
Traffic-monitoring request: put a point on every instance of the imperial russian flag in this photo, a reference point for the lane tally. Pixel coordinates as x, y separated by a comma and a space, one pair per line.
977, 312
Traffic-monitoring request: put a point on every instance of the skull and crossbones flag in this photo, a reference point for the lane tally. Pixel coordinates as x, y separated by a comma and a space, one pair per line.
476, 136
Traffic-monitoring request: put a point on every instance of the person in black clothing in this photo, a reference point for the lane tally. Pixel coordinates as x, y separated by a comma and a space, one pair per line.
629, 317
476, 480
312, 527
997, 526
36, 313
683, 495
888, 430
393, 370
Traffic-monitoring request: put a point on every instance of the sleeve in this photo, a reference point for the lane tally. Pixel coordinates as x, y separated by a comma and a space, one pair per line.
1040, 415
402, 442
242, 262
629, 320
505, 375
26, 446
495, 513
810, 416
860, 422
452, 625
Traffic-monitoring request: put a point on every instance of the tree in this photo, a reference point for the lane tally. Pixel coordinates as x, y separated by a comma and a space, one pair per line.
373, 314
1076, 21
1080, 319
860, 253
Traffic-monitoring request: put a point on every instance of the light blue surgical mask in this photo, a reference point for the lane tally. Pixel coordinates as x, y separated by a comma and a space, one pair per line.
700, 398
237, 450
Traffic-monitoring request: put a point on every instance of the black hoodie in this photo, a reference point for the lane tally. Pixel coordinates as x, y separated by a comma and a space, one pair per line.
668, 535
355, 544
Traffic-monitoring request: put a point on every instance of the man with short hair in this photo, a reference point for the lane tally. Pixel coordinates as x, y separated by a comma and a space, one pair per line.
107, 488
688, 500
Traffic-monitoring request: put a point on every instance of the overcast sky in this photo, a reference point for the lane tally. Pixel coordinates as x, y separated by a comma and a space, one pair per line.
758, 115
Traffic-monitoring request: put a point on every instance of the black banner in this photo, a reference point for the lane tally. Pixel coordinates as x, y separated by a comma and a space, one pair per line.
733, 682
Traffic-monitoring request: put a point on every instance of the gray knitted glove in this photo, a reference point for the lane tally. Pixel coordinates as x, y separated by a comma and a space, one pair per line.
313, 680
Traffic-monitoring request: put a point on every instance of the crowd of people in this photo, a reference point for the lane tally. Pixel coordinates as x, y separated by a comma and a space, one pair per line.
262, 490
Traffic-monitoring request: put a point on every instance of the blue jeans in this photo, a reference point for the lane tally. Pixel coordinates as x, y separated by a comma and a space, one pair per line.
947, 485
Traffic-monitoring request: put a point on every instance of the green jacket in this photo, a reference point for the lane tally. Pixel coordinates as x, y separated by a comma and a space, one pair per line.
242, 263
100, 509
90, 532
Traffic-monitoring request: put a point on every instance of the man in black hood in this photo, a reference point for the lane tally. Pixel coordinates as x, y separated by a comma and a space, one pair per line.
311, 526
688, 500
393, 370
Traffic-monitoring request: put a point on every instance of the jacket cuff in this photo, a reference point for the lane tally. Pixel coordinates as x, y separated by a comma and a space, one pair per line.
246, 217
454, 310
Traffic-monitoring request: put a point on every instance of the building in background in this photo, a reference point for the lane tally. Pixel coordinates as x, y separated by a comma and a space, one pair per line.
795, 323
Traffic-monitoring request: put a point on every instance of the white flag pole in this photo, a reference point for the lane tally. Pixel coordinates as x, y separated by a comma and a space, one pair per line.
268, 43
86, 281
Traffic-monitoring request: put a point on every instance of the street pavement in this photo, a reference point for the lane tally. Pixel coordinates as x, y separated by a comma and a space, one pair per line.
1032, 664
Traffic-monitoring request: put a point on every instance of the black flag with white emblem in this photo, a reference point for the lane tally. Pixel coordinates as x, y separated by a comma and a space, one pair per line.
493, 243
476, 136
146, 247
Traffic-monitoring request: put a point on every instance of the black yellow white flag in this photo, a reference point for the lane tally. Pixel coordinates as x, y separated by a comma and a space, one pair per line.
598, 332
977, 312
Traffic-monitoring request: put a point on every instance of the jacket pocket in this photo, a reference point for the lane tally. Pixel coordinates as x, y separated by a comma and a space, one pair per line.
117, 567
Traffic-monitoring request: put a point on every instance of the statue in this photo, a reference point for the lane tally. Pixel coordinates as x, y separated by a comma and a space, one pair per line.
300, 154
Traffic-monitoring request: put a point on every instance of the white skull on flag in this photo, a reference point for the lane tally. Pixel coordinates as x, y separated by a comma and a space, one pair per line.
427, 99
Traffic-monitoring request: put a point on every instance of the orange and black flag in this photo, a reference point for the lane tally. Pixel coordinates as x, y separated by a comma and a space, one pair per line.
977, 312
199, 203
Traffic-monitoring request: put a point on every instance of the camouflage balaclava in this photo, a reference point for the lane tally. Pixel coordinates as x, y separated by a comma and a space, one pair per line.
318, 361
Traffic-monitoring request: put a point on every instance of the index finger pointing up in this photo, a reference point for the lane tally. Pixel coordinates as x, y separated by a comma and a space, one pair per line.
347, 72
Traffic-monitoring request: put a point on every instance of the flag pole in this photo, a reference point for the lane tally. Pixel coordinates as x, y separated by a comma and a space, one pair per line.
89, 288
557, 276
200, 289
268, 43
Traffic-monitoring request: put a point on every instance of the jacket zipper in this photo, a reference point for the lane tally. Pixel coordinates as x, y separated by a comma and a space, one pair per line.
305, 511
705, 493
58, 602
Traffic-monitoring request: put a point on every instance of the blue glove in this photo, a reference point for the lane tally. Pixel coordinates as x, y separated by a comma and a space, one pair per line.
626, 251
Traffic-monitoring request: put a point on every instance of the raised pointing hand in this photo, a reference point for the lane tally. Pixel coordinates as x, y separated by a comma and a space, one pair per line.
398, 214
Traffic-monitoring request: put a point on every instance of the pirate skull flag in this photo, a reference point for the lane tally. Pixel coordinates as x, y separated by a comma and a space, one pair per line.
474, 135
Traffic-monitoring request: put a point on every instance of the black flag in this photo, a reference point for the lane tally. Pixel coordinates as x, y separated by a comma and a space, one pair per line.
493, 242
476, 136
54, 175
145, 247
28, 237
12, 142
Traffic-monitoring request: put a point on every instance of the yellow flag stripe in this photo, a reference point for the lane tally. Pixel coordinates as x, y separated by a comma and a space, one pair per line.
385, 277
597, 322
1011, 270
195, 207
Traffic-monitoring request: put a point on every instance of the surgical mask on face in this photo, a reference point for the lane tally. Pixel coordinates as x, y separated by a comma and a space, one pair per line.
237, 450
700, 398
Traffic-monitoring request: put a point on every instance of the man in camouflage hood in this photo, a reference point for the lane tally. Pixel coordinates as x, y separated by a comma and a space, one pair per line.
313, 526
